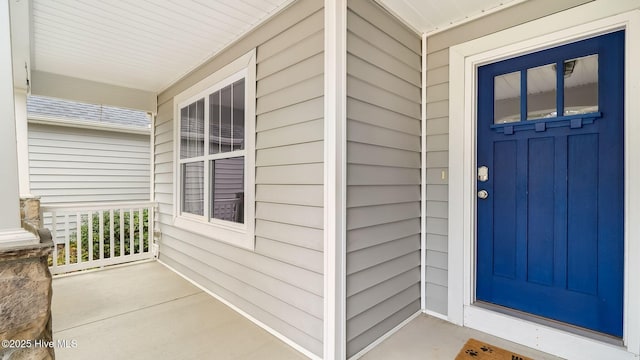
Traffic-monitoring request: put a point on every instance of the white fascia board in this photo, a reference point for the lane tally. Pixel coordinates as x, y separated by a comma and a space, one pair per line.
93, 92
83, 124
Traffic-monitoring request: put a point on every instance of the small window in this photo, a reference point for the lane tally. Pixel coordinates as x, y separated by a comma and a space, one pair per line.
541, 92
215, 158
581, 85
507, 98
562, 93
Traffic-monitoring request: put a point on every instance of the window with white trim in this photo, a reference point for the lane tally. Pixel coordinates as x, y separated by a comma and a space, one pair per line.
215, 139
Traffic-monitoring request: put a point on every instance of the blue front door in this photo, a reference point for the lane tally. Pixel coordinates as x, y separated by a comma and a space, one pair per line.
550, 207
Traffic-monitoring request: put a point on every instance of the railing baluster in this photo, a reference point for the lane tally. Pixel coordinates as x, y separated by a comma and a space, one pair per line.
101, 234
152, 220
67, 241
90, 234
112, 243
141, 228
121, 233
132, 229
54, 233
79, 237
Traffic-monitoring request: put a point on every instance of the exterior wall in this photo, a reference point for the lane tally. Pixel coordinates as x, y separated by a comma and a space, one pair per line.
68, 164
281, 282
383, 173
437, 108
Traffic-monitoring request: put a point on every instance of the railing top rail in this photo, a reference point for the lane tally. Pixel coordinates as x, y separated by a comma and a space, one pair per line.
73, 207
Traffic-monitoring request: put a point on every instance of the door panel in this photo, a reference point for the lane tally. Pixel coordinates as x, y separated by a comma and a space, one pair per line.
505, 205
550, 237
540, 187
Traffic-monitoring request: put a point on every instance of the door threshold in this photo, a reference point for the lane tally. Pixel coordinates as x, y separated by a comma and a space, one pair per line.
576, 330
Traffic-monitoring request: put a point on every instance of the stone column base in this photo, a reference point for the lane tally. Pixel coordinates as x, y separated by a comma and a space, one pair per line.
25, 301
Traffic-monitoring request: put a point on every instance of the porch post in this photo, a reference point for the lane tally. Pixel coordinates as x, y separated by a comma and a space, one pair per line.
22, 140
20, 15
10, 229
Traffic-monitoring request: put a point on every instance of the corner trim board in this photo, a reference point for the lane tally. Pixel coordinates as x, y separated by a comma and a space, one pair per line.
423, 179
152, 158
335, 123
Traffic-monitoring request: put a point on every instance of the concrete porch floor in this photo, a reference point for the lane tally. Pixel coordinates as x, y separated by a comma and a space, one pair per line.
145, 311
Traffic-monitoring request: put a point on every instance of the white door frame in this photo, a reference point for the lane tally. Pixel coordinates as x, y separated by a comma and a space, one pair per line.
585, 21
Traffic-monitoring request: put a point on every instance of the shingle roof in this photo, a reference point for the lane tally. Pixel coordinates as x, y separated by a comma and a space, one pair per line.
70, 110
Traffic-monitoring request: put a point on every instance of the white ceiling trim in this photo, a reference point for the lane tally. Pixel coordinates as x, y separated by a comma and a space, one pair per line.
146, 44
395, 13
408, 10
152, 44
277, 10
475, 16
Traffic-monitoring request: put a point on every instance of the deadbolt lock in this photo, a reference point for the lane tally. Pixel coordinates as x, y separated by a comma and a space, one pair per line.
483, 173
483, 194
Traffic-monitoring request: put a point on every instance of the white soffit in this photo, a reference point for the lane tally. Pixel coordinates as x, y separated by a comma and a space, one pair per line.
142, 44
430, 16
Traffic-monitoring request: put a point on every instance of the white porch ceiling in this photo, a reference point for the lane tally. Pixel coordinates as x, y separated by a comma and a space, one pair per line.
149, 44
142, 44
428, 16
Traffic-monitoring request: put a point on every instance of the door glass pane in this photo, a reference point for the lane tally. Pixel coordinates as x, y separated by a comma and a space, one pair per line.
238, 115
227, 189
581, 85
541, 92
506, 107
192, 130
193, 188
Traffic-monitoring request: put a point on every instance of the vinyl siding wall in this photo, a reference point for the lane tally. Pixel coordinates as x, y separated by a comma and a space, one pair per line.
437, 108
75, 165
281, 282
383, 173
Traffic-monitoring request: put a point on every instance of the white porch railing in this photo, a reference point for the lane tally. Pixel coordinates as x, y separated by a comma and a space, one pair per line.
92, 235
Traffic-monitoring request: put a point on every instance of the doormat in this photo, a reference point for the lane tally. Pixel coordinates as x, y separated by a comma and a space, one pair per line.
478, 350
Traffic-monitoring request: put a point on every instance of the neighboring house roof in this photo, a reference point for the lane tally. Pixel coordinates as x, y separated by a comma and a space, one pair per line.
50, 108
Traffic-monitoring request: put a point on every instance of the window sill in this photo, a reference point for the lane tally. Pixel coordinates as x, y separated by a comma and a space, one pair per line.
236, 236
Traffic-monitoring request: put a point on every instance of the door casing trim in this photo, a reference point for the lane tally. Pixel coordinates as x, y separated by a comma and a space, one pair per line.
589, 20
